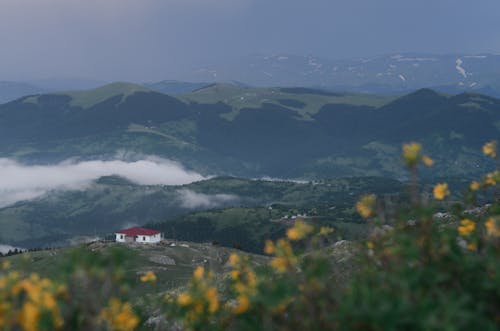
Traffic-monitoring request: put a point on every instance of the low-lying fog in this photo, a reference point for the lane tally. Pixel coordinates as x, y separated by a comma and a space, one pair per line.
23, 182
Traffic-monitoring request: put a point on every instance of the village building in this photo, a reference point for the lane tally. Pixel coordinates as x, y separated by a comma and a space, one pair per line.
139, 235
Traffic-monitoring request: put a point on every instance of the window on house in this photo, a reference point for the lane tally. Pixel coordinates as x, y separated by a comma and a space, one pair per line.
121, 236
144, 238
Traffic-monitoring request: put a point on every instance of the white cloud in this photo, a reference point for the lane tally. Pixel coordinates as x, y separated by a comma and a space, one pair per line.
4, 249
190, 199
22, 182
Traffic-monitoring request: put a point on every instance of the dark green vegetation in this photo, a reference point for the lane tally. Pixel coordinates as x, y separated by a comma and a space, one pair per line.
252, 214
173, 265
227, 129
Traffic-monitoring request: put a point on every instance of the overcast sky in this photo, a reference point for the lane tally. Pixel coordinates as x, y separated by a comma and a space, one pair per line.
148, 40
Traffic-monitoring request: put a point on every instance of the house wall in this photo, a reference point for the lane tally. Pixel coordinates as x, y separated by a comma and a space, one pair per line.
149, 239
140, 239
120, 237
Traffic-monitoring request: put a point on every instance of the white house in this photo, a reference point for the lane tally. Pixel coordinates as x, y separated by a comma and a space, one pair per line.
140, 235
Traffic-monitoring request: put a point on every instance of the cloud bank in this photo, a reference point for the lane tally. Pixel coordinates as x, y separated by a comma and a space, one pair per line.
190, 199
4, 249
23, 182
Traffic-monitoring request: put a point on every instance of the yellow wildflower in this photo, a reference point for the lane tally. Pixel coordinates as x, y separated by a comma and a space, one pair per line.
184, 299
242, 306
293, 234
252, 279
492, 227
269, 247
492, 178
299, 231
235, 274
441, 191
325, 231
5, 265
30, 316
471, 246
365, 206
427, 161
148, 277
119, 316
370, 245
198, 273
466, 227
279, 263
411, 153
213, 299
234, 259
474, 186
490, 149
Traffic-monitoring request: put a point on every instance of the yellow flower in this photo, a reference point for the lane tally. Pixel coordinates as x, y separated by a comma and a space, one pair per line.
441, 191
234, 259
466, 227
198, 273
325, 231
119, 316
280, 264
30, 316
213, 299
299, 231
492, 227
242, 306
365, 206
471, 246
235, 274
492, 178
148, 277
5, 265
427, 161
252, 279
293, 234
184, 299
474, 186
411, 153
490, 149
269, 247
370, 245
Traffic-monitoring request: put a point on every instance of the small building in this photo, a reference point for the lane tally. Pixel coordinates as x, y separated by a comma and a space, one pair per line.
139, 235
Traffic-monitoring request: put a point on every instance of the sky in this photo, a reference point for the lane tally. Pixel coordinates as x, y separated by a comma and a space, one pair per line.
151, 40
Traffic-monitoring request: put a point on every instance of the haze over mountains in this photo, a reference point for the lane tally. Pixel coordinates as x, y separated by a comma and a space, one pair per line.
394, 73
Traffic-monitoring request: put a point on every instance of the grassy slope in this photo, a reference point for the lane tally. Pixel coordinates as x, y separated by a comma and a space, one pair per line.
249, 97
187, 256
112, 203
88, 98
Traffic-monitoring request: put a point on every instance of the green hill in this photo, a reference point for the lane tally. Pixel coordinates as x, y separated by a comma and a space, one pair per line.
229, 210
226, 129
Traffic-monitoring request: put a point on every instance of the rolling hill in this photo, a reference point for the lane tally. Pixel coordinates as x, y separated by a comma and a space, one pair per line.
226, 129
227, 210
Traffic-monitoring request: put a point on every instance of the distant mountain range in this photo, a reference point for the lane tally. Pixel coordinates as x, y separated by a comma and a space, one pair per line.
227, 129
395, 73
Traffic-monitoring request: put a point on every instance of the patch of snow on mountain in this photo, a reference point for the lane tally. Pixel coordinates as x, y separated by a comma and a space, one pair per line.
459, 67
267, 73
416, 59
475, 56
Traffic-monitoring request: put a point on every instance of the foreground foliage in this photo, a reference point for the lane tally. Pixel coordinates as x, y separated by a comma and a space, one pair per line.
418, 270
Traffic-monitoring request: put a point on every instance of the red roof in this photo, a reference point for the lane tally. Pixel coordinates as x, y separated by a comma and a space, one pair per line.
138, 232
